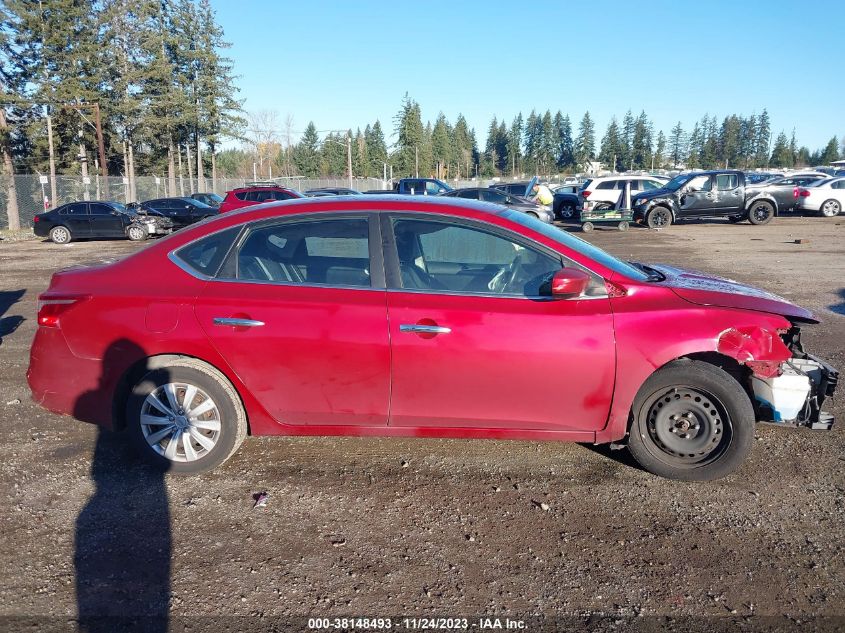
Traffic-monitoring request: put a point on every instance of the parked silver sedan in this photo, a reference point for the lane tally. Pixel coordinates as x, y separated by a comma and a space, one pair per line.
825, 196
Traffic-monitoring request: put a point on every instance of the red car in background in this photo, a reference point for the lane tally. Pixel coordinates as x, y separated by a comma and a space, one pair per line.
256, 194
399, 316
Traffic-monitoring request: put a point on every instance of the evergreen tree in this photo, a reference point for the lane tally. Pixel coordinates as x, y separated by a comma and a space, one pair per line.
376, 150
548, 143
567, 145
747, 142
306, 155
660, 151
515, 144
781, 155
611, 146
641, 144
677, 145
442, 148
729, 142
464, 148
830, 152
762, 139
694, 147
626, 156
531, 141
409, 131
585, 144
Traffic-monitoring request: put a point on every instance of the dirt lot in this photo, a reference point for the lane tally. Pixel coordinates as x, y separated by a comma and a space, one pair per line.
378, 527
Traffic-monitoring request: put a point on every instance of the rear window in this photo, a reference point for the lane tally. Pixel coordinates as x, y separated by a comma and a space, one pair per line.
206, 255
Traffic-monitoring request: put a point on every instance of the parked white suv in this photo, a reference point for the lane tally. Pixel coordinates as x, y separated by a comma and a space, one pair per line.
608, 189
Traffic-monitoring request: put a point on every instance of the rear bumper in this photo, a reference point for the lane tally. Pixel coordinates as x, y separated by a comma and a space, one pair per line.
66, 384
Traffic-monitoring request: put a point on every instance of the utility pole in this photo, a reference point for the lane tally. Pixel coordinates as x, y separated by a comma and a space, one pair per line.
53, 194
349, 156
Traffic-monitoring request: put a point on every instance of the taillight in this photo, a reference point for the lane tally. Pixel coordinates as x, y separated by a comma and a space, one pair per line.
795, 192
51, 308
36, 219
586, 193
804, 193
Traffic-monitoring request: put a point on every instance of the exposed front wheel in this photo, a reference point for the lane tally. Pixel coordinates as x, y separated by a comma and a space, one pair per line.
830, 208
691, 421
136, 233
659, 218
60, 235
567, 211
761, 213
185, 417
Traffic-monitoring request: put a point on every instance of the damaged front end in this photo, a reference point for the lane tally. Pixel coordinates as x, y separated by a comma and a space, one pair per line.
795, 392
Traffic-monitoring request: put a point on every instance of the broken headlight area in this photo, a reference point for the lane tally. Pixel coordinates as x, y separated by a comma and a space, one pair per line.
795, 395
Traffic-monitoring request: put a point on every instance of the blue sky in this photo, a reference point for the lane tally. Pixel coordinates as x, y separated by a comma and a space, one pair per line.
345, 64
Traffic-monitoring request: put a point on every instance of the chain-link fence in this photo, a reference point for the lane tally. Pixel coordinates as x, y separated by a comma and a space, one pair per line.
34, 193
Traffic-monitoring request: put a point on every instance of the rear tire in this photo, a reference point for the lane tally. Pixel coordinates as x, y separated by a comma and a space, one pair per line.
761, 212
691, 421
61, 235
659, 218
194, 429
587, 227
567, 211
830, 208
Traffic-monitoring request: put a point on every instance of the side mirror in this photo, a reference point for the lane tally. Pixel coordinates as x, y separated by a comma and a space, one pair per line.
569, 282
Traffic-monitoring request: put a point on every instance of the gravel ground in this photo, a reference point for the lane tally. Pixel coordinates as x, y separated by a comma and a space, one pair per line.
380, 527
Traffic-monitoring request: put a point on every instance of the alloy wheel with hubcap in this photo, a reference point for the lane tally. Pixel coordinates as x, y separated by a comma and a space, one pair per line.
60, 235
136, 233
185, 416
567, 211
180, 422
830, 208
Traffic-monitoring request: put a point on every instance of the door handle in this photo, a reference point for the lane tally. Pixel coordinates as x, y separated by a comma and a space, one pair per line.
424, 329
237, 322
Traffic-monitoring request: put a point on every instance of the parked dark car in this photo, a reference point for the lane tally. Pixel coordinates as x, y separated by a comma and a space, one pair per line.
332, 191
416, 187
211, 199
80, 220
183, 211
566, 201
785, 190
513, 188
720, 193
756, 177
486, 194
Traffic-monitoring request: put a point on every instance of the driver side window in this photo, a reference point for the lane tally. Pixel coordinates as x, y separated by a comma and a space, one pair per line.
442, 257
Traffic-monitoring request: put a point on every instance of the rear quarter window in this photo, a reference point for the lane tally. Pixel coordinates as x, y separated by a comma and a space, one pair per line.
207, 254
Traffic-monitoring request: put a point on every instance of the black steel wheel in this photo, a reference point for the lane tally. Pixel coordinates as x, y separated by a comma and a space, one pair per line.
761, 212
691, 421
659, 218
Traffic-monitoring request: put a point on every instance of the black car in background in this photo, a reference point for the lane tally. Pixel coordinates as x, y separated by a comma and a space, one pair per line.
182, 211
211, 199
486, 194
513, 188
80, 220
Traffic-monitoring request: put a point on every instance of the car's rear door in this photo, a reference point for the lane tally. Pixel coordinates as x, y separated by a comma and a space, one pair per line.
300, 315
76, 218
478, 345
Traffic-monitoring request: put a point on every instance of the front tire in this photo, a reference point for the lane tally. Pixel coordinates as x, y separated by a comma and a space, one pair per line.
659, 218
136, 233
61, 235
830, 208
567, 211
185, 417
761, 213
692, 421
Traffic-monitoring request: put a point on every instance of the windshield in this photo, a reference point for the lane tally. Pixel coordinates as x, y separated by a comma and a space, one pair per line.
577, 244
214, 196
677, 182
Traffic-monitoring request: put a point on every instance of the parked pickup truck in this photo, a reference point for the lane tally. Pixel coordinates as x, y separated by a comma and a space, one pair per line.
720, 193
416, 187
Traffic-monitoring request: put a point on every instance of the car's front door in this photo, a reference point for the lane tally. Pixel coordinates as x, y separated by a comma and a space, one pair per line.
301, 318
105, 221
475, 341
697, 197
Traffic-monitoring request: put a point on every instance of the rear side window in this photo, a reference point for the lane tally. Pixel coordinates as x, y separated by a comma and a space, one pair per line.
726, 182
241, 195
607, 184
75, 209
206, 255
332, 252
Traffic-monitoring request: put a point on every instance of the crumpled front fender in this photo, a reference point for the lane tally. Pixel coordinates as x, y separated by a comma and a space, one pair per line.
761, 350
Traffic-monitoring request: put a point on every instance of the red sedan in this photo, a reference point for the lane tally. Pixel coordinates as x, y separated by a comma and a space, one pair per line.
399, 316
